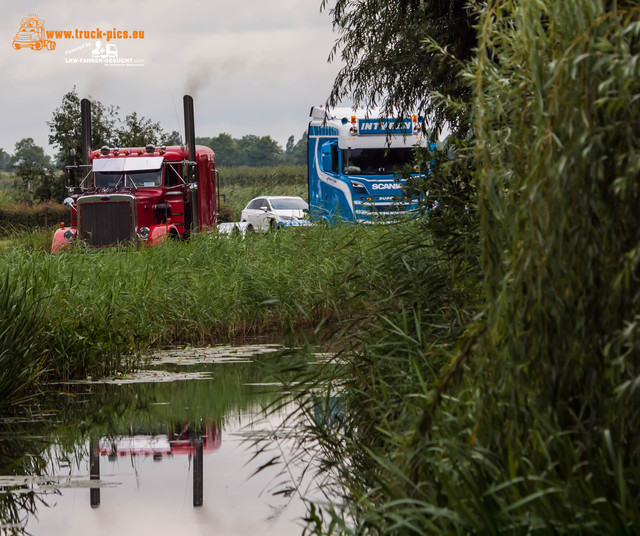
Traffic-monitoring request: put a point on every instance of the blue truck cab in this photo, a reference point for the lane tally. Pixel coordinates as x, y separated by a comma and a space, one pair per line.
355, 157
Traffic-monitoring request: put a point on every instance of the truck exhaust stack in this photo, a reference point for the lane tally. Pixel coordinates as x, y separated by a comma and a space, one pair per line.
85, 114
189, 127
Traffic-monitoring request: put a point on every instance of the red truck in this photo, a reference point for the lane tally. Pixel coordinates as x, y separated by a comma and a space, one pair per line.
139, 195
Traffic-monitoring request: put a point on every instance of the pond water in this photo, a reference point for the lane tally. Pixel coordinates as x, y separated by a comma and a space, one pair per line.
181, 447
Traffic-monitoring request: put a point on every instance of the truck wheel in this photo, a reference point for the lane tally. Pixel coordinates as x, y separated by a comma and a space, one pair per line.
51, 45
16, 46
38, 45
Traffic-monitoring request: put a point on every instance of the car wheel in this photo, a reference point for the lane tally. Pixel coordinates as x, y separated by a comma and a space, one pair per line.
250, 229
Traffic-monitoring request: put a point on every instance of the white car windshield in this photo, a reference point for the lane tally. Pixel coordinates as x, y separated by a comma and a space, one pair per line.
289, 204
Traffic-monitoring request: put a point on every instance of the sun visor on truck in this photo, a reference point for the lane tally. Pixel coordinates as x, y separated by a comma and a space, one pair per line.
136, 163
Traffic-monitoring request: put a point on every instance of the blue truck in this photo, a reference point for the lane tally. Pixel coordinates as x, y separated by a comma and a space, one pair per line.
355, 157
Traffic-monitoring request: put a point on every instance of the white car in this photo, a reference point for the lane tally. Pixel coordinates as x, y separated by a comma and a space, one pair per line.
271, 212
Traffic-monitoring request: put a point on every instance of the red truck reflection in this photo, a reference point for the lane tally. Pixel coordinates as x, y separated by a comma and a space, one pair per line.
175, 439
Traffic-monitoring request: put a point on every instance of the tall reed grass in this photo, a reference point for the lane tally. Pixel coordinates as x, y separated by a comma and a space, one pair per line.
503, 399
83, 312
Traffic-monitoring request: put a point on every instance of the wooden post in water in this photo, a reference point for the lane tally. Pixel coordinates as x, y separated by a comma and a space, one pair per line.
94, 471
197, 473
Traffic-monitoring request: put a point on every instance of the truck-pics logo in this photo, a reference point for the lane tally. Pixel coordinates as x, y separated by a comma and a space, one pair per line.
99, 52
32, 34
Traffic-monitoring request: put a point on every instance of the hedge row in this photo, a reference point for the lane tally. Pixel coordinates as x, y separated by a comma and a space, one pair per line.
21, 217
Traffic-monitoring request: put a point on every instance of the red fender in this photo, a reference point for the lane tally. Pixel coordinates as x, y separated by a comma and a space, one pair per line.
59, 242
159, 233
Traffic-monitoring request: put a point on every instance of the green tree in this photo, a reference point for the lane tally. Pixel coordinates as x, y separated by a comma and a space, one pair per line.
290, 143
557, 97
296, 153
107, 129
225, 148
406, 54
4, 160
259, 150
173, 138
250, 150
526, 424
27, 152
34, 168
138, 131
409, 57
66, 128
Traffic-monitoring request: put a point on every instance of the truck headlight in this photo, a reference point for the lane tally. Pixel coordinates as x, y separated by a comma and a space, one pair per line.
144, 233
69, 236
358, 188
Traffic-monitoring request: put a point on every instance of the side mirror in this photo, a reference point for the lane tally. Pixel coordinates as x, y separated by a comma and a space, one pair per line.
68, 202
70, 176
189, 173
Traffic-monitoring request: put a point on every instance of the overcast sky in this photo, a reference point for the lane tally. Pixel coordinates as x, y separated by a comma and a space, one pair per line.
252, 66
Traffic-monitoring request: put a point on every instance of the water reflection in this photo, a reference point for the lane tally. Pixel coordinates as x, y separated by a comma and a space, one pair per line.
154, 453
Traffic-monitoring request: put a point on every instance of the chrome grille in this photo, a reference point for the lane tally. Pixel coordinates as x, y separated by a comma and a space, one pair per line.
106, 223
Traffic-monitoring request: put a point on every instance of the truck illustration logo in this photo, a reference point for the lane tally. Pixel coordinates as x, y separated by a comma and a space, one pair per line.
108, 52
32, 35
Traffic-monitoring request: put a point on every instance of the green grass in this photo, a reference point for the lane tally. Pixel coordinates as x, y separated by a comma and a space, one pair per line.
89, 312
497, 392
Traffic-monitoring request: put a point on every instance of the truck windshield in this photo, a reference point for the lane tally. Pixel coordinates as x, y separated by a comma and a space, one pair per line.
383, 161
133, 179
